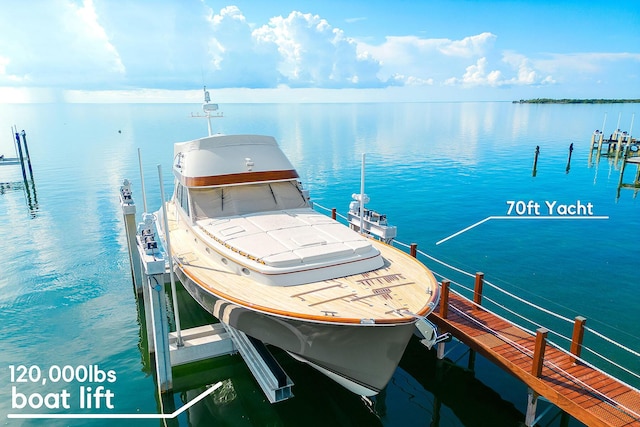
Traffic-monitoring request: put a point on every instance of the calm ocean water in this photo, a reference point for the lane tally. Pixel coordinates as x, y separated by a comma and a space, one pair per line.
66, 298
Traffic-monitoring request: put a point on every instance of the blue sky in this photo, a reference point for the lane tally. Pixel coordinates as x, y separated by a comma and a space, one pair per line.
330, 50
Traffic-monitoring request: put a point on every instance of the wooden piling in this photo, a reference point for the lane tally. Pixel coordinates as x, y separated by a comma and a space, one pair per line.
600, 142
477, 290
333, 213
569, 159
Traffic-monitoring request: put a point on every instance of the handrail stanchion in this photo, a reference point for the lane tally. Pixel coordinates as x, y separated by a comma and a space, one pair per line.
538, 353
477, 290
576, 339
444, 299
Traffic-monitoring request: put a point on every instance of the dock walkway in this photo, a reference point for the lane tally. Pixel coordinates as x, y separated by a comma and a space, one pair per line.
582, 391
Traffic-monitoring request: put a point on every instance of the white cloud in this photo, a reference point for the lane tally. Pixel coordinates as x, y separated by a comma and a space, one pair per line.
477, 74
313, 53
156, 45
519, 66
235, 59
467, 47
425, 61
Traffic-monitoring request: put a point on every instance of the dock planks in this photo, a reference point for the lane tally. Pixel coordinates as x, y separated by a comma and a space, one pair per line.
587, 394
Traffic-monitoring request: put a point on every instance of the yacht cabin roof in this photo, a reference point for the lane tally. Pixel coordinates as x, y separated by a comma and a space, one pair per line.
230, 160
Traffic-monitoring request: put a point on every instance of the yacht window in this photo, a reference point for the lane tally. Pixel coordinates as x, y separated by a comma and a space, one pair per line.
246, 199
182, 198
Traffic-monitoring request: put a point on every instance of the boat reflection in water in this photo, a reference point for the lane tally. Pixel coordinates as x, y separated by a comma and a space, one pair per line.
419, 393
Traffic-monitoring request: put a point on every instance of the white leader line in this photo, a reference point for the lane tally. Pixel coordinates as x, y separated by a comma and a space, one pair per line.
123, 416
521, 217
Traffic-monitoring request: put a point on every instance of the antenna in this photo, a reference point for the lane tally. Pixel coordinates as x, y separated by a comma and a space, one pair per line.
208, 109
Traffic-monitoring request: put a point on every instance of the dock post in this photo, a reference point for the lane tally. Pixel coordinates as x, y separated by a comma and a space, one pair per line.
535, 161
578, 335
24, 173
620, 145
477, 290
622, 168
569, 159
592, 146
413, 251
444, 311
333, 214
440, 350
160, 335
532, 403
146, 302
600, 142
471, 363
129, 215
536, 370
26, 152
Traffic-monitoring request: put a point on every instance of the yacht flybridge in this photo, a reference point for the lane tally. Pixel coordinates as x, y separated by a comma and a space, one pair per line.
252, 251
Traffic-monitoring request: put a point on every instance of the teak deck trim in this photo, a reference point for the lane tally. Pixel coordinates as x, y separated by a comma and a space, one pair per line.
384, 296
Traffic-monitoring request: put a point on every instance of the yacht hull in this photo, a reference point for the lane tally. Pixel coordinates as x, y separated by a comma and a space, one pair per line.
361, 357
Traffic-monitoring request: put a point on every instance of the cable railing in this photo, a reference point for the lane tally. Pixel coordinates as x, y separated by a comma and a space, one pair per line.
522, 319
538, 325
555, 368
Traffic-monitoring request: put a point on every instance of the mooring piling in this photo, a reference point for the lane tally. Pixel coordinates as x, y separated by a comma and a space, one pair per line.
26, 151
569, 159
535, 161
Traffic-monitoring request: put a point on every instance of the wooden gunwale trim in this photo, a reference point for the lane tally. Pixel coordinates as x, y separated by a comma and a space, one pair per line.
289, 314
238, 178
424, 310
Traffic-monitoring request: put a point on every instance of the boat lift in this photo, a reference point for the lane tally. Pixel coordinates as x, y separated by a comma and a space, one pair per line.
24, 160
151, 269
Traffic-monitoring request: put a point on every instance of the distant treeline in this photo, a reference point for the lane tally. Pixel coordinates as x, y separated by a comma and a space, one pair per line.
577, 101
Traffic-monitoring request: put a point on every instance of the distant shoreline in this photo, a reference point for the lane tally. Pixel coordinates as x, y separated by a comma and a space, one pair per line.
577, 101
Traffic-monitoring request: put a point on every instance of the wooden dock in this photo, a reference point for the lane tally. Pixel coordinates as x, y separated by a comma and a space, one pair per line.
635, 183
589, 395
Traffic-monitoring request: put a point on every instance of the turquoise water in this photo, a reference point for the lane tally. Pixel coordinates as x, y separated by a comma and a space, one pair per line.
66, 297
